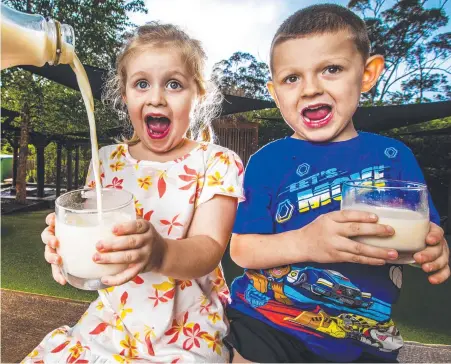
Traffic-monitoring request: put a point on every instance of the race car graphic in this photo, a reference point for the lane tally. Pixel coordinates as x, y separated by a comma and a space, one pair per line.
385, 336
330, 285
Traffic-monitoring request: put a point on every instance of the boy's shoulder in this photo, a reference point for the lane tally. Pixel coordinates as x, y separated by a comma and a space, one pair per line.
268, 151
381, 141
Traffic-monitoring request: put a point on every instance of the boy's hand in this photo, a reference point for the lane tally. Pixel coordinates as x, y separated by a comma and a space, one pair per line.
51, 243
435, 258
328, 238
136, 243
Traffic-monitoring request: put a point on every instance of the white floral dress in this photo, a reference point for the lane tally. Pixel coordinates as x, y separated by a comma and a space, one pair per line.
156, 318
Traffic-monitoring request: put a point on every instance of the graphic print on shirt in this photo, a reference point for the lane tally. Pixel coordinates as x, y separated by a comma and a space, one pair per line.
322, 301
319, 189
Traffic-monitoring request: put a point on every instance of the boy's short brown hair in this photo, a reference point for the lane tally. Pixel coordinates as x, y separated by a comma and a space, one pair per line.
323, 18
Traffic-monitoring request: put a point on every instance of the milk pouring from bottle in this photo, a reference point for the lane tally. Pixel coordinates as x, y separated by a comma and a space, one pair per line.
29, 39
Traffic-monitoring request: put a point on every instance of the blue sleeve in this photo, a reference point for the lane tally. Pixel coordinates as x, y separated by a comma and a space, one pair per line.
411, 171
254, 214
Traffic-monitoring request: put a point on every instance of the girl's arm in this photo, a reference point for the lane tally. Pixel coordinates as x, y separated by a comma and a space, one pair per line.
144, 249
201, 251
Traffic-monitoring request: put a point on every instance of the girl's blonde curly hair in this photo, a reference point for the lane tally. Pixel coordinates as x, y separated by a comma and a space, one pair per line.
159, 35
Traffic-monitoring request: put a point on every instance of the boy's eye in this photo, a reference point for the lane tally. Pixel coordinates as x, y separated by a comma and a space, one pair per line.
291, 79
142, 84
173, 85
333, 69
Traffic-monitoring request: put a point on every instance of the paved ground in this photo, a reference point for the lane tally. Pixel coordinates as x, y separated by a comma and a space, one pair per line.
26, 318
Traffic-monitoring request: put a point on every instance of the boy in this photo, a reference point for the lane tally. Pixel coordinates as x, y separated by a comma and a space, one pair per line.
302, 297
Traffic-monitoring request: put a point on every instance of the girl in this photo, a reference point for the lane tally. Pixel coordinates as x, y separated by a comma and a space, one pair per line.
167, 306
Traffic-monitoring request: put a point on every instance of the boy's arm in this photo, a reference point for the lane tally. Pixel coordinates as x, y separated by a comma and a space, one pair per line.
325, 240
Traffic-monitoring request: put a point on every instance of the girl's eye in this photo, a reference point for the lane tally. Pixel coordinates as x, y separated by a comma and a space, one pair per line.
173, 85
333, 69
291, 79
142, 84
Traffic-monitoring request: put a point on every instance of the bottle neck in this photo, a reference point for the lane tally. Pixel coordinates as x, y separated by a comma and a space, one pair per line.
61, 43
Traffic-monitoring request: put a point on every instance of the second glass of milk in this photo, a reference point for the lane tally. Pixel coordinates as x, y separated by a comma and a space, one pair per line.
401, 204
79, 227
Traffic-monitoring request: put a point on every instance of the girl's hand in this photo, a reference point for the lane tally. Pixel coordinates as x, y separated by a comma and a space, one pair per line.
136, 243
51, 243
435, 257
329, 241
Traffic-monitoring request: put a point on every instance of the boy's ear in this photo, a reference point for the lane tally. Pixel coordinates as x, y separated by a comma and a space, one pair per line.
270, 86
373, 69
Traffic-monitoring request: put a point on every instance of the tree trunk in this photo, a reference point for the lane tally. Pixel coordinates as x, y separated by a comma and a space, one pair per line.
21, 183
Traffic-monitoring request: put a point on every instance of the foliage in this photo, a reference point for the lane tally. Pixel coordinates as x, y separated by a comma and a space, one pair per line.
242, 75
417, 54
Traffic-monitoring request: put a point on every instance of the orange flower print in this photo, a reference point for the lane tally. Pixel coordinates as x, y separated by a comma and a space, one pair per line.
177, 328
145, 182
205, 308
163, 299
118, 153
214, 342
75, 352
138, 208
149, 333
193, 334
184, 284
240, 167
122, 310
116, 183
121, 359
118, 166
161, 183
215, 179
214, 317
223, 157
92, 184
191, 177
136, 166
203, 146
229, 189
171, 223
129, 344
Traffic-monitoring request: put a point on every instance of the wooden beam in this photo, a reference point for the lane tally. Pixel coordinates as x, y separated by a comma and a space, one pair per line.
77, 162
40, 169
58, 169
69, 166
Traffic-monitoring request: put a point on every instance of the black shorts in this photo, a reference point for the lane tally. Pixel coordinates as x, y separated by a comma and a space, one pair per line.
259, 342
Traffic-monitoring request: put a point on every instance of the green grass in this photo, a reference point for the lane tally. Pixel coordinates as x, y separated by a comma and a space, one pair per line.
422, 313
23, 265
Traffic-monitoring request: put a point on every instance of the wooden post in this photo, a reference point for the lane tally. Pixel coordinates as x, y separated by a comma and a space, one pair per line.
77, 160
15, 161
58, 168
69, 166
40, 167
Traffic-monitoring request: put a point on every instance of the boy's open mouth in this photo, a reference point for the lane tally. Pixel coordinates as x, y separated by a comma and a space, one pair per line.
317, 116
157, 126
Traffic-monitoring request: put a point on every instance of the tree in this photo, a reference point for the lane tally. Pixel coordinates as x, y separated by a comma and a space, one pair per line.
46, 106
242, 75
417, 55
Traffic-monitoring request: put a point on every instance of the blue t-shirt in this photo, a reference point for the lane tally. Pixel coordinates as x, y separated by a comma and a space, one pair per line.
338, 310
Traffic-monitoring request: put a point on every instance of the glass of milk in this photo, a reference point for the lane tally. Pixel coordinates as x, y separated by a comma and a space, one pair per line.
402, 205
79, 226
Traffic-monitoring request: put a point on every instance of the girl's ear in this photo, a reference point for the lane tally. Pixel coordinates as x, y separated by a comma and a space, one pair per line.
272, 91
124, 99
373, 69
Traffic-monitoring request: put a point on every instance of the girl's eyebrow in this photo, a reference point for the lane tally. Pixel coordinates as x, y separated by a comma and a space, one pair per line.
167, 74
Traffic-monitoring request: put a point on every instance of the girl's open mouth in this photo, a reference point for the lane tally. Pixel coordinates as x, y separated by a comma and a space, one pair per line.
317, 116
157, 126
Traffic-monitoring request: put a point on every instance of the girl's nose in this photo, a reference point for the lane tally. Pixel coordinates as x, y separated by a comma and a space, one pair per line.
156, 97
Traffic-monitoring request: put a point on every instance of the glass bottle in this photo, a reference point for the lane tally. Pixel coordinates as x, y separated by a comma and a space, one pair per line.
29, 39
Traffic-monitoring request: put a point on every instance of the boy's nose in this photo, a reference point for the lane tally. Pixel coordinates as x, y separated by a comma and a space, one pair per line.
311, 87
156, 97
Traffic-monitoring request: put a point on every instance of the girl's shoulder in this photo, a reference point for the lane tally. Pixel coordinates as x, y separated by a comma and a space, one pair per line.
211, 149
